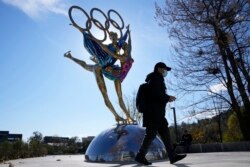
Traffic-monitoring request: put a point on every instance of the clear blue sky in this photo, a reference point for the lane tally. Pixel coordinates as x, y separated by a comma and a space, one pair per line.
40, 90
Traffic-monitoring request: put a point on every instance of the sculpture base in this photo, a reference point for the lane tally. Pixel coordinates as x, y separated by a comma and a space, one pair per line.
121, 143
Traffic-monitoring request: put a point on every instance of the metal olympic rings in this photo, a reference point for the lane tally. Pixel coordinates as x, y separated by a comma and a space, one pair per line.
91, 20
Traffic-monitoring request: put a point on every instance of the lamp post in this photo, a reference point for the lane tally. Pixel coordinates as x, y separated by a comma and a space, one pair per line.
175, 124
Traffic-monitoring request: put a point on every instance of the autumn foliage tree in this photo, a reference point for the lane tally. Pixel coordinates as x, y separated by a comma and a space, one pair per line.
212, 47
233, 133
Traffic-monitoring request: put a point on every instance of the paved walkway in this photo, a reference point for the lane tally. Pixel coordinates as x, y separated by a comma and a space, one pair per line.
218, 159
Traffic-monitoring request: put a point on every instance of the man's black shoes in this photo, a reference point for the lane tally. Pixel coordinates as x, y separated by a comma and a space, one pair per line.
141, 159
177, 157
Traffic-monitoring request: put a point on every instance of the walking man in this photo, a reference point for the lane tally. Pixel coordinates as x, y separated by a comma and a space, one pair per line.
154, 117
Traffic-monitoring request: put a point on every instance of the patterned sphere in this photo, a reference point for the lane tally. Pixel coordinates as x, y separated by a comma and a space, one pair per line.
121, 143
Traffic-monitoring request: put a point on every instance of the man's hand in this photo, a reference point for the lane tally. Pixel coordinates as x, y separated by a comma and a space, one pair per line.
172, 98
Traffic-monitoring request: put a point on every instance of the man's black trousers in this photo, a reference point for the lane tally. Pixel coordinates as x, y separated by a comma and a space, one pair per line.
163, 132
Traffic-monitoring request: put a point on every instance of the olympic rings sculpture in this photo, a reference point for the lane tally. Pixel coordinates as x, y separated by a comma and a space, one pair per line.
91, 20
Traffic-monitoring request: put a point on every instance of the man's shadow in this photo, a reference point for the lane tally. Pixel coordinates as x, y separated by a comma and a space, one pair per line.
181, 165
177, 165
138, 165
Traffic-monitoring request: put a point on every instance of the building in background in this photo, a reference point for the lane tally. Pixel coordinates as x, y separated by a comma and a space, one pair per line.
6, 136
55, 140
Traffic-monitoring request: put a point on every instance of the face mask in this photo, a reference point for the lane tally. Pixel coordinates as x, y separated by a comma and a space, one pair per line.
165, 73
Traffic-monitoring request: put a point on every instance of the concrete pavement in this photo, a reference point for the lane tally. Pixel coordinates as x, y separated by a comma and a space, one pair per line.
215, 159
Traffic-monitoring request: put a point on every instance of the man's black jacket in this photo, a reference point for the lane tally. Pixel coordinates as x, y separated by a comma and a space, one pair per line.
157, 100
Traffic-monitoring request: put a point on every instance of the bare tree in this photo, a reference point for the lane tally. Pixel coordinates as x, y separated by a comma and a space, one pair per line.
212, 45
218, 109
130, 104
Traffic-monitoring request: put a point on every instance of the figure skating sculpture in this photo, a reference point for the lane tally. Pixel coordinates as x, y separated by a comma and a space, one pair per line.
104, 56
